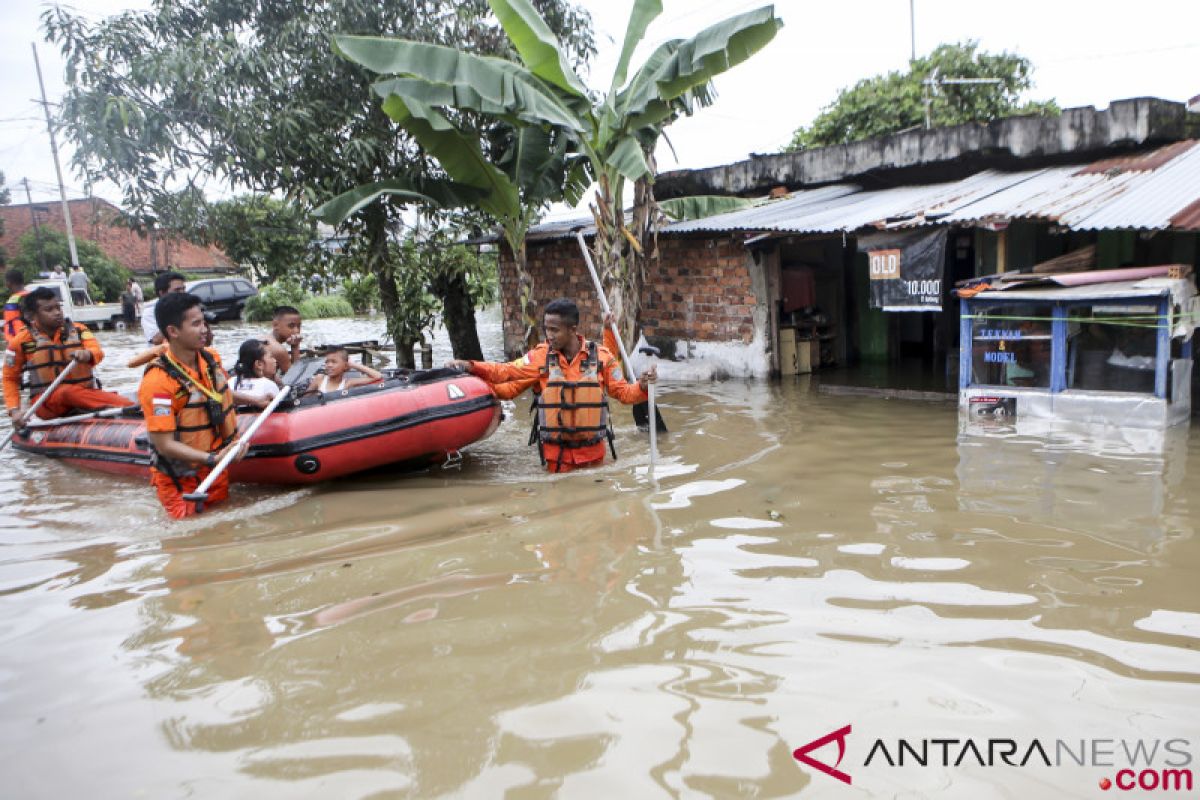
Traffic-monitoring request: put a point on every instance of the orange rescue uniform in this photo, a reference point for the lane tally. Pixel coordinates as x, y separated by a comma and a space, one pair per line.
44, 356
14, 323
531, 370
164, 400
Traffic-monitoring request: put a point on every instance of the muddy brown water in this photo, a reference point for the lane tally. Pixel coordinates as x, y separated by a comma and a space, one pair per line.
801, 563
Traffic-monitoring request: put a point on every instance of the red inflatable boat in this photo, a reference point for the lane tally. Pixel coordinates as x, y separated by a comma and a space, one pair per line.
415, 418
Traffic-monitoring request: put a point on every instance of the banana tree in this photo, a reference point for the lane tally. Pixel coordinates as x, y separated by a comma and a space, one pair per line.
429, 84
529, 166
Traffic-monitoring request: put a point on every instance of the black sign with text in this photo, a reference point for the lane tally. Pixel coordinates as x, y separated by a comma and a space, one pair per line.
905, 269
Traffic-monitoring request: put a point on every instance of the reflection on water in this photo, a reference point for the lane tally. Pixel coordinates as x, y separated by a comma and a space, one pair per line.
805, 562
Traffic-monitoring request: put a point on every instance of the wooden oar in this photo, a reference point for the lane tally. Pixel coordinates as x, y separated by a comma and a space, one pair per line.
641, 411
62, 376
201, 494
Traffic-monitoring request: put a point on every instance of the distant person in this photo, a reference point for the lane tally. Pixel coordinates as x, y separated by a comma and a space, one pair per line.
39, 353
14, 321
57, 273
167, 283
337, 374
79, 283
573, 379
256, 374
128, 304
188, 406
284, 337
139, 298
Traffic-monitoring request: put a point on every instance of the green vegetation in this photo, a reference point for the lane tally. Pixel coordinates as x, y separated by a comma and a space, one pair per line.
107, 277
5, 196
362, 293
325, 306
270, 238
896, 101
558, 135
251, 94
284, 292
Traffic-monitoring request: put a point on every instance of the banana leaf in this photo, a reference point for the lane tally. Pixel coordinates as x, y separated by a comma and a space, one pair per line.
536, 44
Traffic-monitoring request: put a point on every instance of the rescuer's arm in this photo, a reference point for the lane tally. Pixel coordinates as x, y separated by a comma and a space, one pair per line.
616, 387
523, 369
94, 352
509, 390
14, 360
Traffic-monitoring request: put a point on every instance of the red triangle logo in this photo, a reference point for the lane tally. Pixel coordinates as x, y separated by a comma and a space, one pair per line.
801, 754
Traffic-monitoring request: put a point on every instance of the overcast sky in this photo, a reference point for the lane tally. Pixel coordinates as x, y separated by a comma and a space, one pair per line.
1085, 52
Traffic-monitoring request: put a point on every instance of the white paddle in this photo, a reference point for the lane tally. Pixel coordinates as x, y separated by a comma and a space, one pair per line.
201, 494
62, 376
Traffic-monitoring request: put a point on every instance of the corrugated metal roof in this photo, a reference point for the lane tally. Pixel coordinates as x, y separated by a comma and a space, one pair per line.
1156, 190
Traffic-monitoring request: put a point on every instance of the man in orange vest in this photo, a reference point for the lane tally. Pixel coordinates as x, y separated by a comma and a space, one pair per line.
42, 350
14, 323
188, 405
574, 378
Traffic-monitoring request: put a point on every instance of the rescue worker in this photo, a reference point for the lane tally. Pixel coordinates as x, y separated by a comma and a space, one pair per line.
42, 350
188, 406
573, 379
14, 323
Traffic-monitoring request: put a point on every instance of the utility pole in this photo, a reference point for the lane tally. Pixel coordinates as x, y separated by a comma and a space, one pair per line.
912, 28
37, 232
62, 192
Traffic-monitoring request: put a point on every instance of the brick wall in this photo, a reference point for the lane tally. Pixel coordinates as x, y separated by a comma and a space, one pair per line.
699, 290
92, 220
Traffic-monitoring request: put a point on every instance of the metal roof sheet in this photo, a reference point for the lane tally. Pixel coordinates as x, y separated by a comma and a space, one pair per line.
1149, 287
1154, 191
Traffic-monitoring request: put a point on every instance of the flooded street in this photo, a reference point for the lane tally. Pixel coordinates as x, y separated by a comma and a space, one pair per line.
802, 563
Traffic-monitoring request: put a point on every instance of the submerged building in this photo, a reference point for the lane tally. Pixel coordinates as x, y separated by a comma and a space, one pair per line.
846, 259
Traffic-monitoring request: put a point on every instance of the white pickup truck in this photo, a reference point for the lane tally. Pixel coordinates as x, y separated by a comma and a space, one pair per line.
95, 315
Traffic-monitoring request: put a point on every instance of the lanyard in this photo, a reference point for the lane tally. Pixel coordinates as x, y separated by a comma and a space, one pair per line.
209, 393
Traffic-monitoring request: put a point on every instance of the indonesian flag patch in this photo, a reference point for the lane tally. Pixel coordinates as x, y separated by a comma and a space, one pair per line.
10, 358
162, 405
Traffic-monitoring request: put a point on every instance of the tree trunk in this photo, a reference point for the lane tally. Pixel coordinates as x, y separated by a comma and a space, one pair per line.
380, 264
526, 301
621, 265
458, 313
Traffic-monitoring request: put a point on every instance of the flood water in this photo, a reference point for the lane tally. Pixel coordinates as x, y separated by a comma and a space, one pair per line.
801, 563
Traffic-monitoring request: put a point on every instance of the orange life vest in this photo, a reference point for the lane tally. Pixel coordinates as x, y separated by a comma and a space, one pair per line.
202, 423
14, 320
46, 358
573, 413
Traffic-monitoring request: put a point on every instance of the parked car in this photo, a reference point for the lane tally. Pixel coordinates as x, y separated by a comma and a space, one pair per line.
224, 298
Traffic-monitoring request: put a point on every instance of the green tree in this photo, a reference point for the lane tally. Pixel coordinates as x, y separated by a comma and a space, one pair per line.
429, 87
272, 238
108, 278
250, 93
5, 197
896, 101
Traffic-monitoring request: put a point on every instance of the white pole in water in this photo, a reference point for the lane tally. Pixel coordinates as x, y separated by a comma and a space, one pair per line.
62, 376
201, 493
62, 192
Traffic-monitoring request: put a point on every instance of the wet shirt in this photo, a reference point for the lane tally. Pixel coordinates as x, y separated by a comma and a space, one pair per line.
14, 358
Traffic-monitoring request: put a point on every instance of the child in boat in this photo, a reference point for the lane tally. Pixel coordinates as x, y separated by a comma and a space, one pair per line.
283, 340
337, 377
256, 379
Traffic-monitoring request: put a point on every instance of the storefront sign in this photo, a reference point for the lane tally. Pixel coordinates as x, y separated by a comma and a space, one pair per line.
905, 269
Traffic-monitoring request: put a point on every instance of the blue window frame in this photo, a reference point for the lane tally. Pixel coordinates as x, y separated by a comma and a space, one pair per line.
1103, 345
